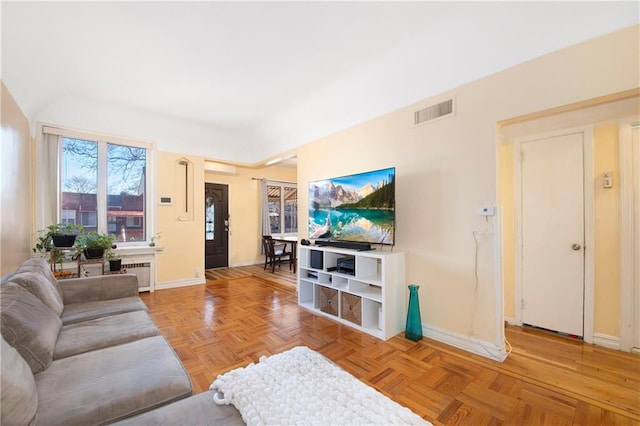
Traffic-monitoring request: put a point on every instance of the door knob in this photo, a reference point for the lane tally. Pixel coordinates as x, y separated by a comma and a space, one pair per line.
575, 246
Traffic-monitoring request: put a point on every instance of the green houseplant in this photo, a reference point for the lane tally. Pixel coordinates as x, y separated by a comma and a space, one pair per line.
115, 261
152, 240
94, 244
57, 235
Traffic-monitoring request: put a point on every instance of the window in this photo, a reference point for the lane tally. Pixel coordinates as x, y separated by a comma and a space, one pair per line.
282, 207
89, 220
69, 216
112, 224
134, 222
101, 183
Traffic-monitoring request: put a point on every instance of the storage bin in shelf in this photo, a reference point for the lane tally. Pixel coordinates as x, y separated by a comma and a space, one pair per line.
328, 300
351, 308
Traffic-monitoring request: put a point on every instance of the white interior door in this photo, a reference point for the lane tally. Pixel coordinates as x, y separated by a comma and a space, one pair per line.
552, 233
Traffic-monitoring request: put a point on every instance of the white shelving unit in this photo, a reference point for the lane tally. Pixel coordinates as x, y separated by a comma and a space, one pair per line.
371, 299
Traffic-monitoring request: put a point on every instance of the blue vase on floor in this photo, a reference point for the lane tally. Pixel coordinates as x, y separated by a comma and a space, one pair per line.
413, 329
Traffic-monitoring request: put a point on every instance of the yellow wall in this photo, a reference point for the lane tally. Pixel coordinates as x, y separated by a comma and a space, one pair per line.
447, 168
16, 209
182, 258
607, 231
182, 241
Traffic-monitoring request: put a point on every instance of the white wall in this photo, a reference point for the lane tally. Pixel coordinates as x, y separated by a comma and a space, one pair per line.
171, 134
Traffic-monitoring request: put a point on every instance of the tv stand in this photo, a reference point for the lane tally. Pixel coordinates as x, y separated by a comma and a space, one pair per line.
345, 244
364, 290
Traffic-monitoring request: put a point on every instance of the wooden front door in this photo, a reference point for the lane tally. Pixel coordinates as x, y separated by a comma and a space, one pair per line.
216, 227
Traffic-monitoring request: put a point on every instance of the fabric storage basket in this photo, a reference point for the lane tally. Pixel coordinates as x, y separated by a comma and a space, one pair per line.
352, 308
329, 300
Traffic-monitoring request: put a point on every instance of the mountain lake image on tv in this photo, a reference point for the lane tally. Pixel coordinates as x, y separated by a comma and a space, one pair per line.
359, 208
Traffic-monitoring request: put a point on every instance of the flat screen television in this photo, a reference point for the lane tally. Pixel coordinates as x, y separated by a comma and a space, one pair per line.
354, 208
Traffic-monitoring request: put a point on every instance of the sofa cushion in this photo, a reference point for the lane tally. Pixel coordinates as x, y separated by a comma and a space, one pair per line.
100, 287
42, 266
85, 311
38, 285
28, 325
18, 397
103, 332
195, 410
110, 384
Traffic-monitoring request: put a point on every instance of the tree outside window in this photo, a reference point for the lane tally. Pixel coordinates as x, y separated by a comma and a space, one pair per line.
123, 190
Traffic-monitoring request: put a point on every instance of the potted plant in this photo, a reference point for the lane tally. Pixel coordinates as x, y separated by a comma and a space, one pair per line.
152, 240
64, 234
60, 235
115, 261
94, 244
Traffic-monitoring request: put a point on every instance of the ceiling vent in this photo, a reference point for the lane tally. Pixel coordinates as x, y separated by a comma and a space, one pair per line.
433, 112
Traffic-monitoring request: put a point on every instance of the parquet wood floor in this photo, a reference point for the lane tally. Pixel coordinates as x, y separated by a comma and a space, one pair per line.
244, 313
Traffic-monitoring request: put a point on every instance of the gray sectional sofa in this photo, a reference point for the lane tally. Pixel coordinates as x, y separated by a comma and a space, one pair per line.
85, 351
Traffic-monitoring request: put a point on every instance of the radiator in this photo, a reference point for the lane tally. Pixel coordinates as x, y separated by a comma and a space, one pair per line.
141, 269
143, 272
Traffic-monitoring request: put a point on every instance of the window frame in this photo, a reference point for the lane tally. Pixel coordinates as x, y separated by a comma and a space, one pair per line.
46, 212
282, 186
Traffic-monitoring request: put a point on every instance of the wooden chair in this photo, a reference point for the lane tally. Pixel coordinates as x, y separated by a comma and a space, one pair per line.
275, 252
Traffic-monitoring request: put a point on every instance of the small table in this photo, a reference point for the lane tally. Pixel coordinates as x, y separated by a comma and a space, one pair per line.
294, 248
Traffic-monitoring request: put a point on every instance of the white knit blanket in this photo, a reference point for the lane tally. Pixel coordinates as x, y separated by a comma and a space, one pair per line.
302, 387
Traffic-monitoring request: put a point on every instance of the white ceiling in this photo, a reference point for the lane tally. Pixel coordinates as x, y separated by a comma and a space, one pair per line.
277, 75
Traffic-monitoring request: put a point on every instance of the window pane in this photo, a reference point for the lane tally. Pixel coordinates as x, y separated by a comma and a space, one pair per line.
79, 179
69, 216
290, 209
274, 208
209, 231
126, 185
89, 219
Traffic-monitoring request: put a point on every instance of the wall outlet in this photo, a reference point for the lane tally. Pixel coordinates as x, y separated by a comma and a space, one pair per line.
487, 210
198, 272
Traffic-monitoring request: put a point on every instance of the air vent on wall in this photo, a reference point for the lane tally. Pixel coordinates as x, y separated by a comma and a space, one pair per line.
432, 112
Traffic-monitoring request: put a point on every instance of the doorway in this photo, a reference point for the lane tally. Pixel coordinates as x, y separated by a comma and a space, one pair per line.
551, 247
216, 241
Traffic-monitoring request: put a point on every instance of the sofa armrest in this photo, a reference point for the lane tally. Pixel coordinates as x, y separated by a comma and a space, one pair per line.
103, 287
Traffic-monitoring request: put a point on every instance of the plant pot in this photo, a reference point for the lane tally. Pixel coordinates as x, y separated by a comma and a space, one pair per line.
93, 253
115, 265
63, 240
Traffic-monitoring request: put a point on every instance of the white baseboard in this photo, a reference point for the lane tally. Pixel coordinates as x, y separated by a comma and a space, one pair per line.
604, 340
179, 283
512, 321
467, 343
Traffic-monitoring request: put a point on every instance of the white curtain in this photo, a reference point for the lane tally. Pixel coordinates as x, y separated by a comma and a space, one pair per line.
47, 180
265, 223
